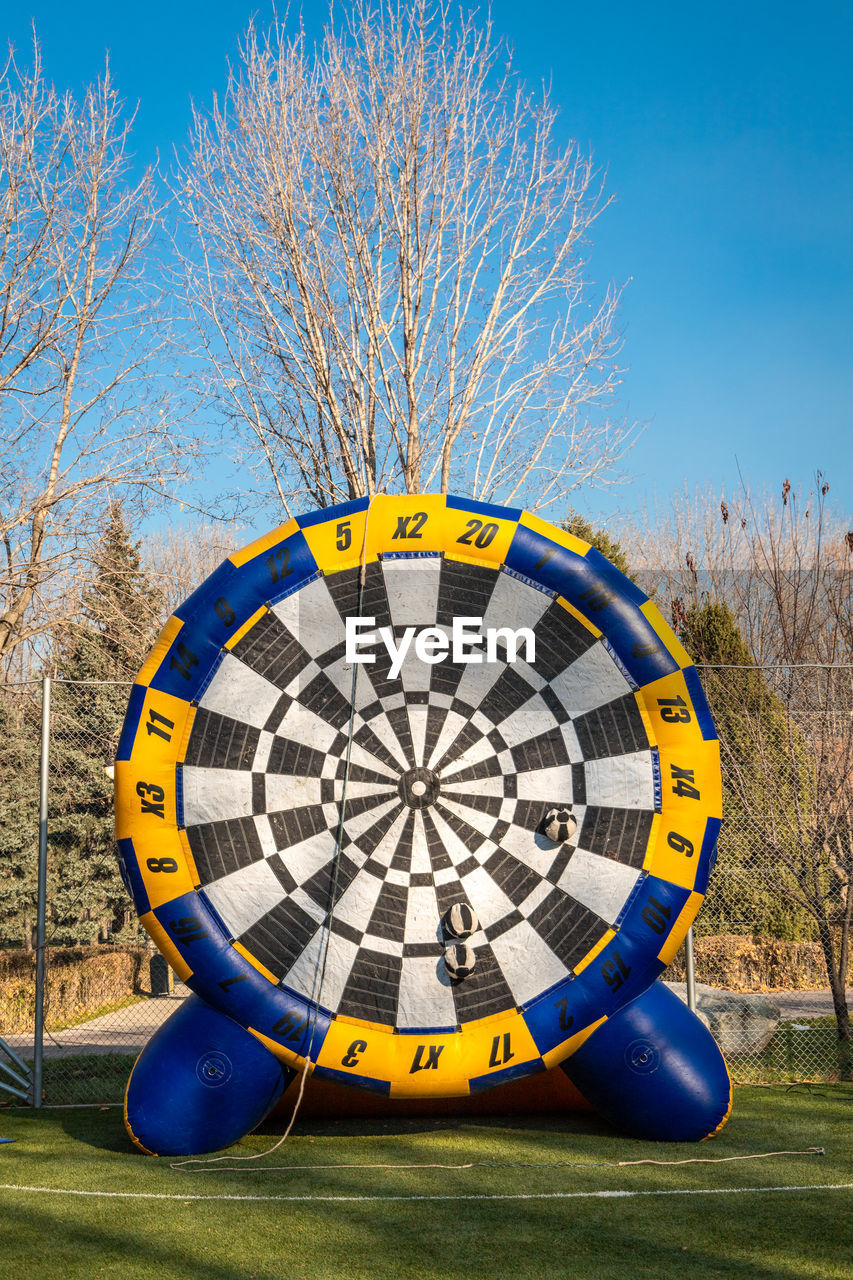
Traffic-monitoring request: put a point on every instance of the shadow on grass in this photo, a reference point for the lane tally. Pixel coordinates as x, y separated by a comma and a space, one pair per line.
566, 1124
104, 1129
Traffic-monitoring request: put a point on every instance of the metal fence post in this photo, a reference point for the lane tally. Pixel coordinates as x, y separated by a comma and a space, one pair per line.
690, 973
41, 905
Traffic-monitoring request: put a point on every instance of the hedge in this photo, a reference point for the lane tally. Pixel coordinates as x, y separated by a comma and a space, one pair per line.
80, 980
738, 963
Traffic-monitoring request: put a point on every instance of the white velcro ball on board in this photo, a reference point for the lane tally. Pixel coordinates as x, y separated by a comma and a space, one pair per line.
460, 960
461, 921
560, 825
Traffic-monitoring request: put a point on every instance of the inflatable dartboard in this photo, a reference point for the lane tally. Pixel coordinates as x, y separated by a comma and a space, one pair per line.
420, 795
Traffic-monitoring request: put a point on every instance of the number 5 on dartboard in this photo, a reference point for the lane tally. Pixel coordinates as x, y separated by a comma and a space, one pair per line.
343, 535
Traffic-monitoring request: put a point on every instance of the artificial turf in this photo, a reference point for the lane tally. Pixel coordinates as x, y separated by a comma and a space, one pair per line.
361, 1223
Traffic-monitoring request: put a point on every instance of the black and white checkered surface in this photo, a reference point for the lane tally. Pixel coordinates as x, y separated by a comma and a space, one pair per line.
493, 747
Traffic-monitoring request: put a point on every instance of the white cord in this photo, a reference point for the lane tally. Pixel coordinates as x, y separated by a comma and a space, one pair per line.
323, 954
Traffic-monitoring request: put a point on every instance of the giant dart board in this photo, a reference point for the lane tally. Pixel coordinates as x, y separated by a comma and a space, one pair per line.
352, 735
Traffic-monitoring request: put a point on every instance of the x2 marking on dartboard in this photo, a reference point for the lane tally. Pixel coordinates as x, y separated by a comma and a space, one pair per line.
410, 526
478, 533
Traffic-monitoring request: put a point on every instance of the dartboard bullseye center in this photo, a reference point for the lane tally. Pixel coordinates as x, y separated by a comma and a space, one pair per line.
419, 788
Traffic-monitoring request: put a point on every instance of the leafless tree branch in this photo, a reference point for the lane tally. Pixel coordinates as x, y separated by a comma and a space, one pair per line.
88, 412
388, 267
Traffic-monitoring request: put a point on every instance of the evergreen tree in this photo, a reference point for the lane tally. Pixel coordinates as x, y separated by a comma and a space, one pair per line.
97, 659
582, 528
751, 725
19, 796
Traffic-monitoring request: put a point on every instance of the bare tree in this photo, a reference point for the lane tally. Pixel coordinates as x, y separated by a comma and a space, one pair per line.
178, 558
86, 415
784, 703
388, 267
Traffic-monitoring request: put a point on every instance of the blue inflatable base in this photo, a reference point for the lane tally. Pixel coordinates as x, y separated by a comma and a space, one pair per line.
200, 1084
654, 1071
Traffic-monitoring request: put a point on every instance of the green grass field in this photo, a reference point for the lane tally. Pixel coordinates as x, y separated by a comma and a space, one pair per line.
530, 1205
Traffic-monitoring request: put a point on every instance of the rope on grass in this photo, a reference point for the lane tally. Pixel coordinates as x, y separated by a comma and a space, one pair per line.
759, 1155
472, 1164
323, 955
186, 1198
488, 1164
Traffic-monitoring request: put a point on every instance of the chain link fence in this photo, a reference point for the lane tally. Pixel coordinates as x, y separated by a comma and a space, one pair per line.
778, 902
106, 989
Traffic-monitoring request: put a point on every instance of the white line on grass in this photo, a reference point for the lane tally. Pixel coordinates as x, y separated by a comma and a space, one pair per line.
543, 1195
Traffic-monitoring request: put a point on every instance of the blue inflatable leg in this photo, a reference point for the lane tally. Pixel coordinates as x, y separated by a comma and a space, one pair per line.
201, 1083
655, 1071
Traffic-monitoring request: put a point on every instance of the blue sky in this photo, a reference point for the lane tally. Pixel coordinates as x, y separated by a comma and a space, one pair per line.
726, 134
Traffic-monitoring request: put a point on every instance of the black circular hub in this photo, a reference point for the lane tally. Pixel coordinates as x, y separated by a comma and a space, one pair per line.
419, 788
